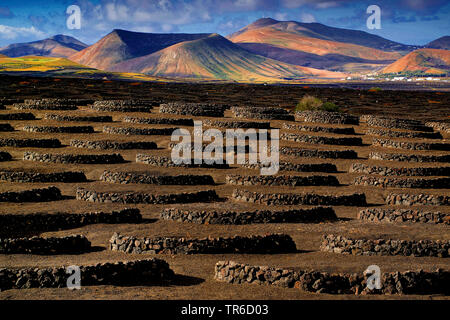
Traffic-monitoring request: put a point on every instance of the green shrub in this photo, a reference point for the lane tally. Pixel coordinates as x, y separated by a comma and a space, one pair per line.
311, 103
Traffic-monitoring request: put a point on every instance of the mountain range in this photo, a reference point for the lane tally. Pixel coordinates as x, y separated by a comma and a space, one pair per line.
265, 50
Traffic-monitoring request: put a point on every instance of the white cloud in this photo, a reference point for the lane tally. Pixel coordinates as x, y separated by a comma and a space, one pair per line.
8, 32
307, 17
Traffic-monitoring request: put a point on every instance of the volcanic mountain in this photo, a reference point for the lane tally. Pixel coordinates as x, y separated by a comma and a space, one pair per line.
441, 43
317, 45
61, 46
215, 57
431, 61
121, 45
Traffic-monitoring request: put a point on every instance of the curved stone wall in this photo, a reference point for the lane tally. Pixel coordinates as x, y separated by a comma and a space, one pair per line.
50, 129
47, 246
403, 215
171, 121
390, 171
300, 127
384, 182
314, 153
298, 167
245, 149
441, 126
30, 143
73, 158
405, 199
293, 181
4, 127
60, 117
139, 272
304, 138
21, 106
408, 157
51, 101
356, 199
274, 243
146, 178
112, 145
327, 117
34, 195
160, 161
409, 282
236, 124
262, 113
149, 198
402, 134
5, 156
13, 224
313, 215
17, 116
123, 105
388, 143
396, 123
193, 109
139, 131
382, 247
32, 176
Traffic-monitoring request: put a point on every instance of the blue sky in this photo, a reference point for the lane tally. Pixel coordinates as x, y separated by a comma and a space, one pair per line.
406, 21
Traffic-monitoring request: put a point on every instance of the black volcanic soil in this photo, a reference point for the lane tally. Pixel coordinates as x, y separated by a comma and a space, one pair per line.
195, 272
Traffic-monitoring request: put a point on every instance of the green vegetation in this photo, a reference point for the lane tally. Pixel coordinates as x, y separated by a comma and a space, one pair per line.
375, 89
315, 104
411, 74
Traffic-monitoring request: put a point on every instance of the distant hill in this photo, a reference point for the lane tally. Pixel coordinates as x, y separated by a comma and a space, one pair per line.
121, 45
441, 43
318, 46
60, 67
432, 61
215, 57
57, 46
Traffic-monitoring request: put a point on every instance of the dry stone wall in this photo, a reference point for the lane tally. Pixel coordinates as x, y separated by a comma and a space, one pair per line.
146, 178
50, 129
170, 121
148, 198
356, 199
30, 143
408, 157
17, 116
123, 105
274, 243
327, 117
282, 180
236, 124
45, 246
385, 182
409, 282
160, 161
140, 272
388, 143
403, 134
382, 247
314, 153
304, 138
193, 109
298, 167
34, 195
30, 176
112, 145
405, 199
262, 113
403, 215
406, 171
300, 127
313, 215
73, 158
139, 131
21, 106
61, 117
441, 126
